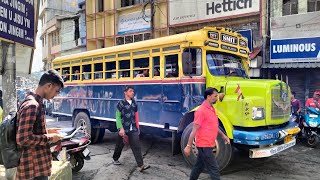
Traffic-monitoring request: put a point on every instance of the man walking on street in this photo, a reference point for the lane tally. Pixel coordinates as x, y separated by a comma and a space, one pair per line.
205, 130
127, 121
32, 136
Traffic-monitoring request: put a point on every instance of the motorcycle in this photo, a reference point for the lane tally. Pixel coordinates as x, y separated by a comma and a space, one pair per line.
72, 147
311, 126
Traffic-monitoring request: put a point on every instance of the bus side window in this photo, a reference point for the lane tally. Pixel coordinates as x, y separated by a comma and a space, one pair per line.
98, 71
111, 70
66, 74
171, 66
76, 73
86, 71
141, 67
156, 66
124, 68
195, 56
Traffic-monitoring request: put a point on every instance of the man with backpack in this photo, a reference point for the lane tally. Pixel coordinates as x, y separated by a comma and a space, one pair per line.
32, 136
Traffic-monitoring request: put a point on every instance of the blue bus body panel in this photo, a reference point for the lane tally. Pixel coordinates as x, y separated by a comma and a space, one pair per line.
158, 104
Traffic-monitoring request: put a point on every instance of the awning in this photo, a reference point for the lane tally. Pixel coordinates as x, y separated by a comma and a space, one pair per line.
292, 65
255, 52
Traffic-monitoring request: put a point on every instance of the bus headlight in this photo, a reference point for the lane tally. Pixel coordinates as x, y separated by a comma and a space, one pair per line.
257, 113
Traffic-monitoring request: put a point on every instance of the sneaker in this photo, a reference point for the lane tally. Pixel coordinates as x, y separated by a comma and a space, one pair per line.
116, 162
144, 167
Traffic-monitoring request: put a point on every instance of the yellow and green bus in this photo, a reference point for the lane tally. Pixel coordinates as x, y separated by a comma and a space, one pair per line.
169, 75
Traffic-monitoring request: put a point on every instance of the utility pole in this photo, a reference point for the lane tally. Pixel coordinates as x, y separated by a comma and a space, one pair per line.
152, 18
9, 77
8, 71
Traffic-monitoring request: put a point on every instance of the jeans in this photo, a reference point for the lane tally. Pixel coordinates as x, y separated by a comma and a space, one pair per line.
205, 159
135, 147
41, 178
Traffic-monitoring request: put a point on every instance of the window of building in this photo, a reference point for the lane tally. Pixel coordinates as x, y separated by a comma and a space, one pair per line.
146, 36
132, 38
171, 66
100, 5
98, 71
128, 39
125, 3
124, 68
119, 40
138, 37
110, 70
313, 5
141, 67
76, 31
192, 61
156, 66
289, 7
86, 71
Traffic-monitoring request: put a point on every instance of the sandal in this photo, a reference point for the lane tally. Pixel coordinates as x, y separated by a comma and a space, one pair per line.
144, 167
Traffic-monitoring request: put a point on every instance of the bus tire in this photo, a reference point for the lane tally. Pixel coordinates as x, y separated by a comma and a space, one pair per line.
82, 119
223, 152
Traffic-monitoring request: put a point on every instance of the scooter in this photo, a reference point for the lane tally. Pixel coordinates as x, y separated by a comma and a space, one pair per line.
311, 126
72, 147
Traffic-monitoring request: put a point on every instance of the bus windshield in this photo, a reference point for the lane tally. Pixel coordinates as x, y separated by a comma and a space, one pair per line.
223, 64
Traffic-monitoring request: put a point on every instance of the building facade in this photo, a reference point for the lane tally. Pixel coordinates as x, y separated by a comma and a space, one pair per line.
60, 33
295, 45
117, 22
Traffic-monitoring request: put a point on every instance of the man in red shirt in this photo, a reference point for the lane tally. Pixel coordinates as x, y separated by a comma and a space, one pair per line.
205, 130
315, 101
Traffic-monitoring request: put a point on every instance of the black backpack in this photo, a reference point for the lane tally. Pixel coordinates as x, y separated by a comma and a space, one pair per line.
8, 144
9, 152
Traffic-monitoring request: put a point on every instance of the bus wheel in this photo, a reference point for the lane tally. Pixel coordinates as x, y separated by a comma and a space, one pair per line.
223, 152
82, 119
97, 135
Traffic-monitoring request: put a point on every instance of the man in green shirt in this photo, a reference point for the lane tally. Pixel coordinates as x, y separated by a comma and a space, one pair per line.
128, 126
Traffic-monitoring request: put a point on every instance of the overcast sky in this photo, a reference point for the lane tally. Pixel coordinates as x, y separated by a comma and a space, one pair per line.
37, 64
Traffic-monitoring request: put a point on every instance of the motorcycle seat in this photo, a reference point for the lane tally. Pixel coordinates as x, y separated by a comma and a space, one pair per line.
67, 131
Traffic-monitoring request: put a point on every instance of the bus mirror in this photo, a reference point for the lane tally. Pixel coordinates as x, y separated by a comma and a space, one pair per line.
187, 62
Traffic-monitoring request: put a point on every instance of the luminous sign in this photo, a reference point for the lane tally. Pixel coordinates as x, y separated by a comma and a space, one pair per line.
295, 50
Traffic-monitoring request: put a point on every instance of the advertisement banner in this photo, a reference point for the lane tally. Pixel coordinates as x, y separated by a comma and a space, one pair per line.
17, 21
134, 22
185, 11
295, 50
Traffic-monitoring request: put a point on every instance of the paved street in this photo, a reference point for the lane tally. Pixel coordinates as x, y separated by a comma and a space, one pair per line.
299, 162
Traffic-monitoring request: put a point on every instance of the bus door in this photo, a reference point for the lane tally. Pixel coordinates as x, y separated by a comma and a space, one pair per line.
171, 90
192, 79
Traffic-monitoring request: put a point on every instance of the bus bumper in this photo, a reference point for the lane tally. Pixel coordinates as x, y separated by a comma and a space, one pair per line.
270, 142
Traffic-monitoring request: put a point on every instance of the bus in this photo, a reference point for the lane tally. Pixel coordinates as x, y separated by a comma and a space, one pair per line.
254, 114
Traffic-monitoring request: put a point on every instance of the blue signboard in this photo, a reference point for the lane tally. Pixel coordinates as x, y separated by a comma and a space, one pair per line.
295, 50
248, 35
17, 21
